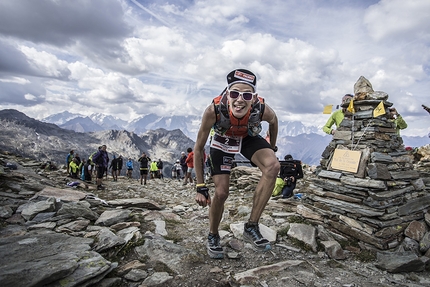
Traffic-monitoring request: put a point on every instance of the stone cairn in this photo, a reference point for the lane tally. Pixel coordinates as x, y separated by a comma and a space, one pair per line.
385, 204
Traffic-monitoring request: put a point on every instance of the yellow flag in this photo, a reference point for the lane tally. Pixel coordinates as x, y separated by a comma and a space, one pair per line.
327, 109
379, 110
351, 106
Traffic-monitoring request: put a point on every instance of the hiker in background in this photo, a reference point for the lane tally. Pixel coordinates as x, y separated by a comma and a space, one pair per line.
81, 169
395, 117
190, 166
119, 165
176, 170
114, 167
160, 168
236, 117
291, 171
69, 158
183, 164
86, 170
93, 165
74, 168
78, 158
144, 162
129, 165
153, 169
101, 159
337, 117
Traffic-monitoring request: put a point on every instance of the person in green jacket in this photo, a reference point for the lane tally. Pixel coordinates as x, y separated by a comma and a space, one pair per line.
153, 169
398, 120
337, 117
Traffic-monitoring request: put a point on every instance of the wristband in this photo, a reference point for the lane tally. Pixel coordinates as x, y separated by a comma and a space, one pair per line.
200, 185
203, 190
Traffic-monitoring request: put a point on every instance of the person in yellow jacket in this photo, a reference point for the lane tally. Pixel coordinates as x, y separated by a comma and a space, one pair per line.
74, 168
336, 117
153, 169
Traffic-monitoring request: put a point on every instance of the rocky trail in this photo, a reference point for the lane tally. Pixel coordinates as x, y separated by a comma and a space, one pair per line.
129, 234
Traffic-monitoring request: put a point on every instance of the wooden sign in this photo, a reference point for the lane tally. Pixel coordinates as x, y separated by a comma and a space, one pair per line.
347, 160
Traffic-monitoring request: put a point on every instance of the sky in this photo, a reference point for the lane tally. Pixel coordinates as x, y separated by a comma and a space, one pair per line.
129, 58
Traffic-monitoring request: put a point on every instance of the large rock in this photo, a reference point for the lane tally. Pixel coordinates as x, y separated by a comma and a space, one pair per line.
111, 217
305, 233
43, 258
397, 262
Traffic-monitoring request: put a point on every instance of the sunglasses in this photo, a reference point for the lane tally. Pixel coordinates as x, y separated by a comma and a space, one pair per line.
247, 96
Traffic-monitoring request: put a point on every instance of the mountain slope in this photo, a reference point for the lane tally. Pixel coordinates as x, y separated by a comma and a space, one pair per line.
42, 141
81, 124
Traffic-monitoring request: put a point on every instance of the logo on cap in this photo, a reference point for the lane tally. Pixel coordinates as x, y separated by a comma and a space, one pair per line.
244, 76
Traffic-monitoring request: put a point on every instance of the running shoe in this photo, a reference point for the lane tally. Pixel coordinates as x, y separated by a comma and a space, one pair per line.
251, 233
214, 247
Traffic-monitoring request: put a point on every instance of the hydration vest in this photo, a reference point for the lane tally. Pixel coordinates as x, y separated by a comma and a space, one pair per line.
229, 125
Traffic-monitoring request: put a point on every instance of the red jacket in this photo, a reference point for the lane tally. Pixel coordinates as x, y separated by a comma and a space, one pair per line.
190, 160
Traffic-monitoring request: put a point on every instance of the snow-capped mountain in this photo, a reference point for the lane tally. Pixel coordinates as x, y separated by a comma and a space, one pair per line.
296, 128
189, 125
81, 123
108, 122
61, 118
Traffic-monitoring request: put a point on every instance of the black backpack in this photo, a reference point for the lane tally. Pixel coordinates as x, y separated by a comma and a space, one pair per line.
288, 168
144, 162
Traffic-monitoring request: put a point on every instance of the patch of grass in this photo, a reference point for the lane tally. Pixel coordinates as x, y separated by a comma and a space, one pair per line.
352, 242
301, 244
320, 247
172, 222
283, 231
130, 245
334, 264
366, 256
173, 236
193, 258
225, 227
297, 219
115, 254
137, 217
160, 267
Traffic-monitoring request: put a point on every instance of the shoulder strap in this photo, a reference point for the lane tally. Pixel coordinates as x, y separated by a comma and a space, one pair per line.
254, 122
221, 111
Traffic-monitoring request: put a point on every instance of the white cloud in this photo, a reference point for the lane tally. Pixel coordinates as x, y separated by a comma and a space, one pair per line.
397, 18
30, 97
116, 57
16, 80
45, 63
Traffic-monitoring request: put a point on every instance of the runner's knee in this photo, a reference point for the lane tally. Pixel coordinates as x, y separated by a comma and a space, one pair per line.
271, 169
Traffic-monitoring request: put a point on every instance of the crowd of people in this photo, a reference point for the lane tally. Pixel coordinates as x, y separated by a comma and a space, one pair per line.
98, 164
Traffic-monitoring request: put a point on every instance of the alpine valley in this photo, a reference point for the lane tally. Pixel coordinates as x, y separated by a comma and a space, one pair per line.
161, 137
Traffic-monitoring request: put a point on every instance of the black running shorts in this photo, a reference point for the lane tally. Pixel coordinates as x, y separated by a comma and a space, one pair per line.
100, 171
221, 162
